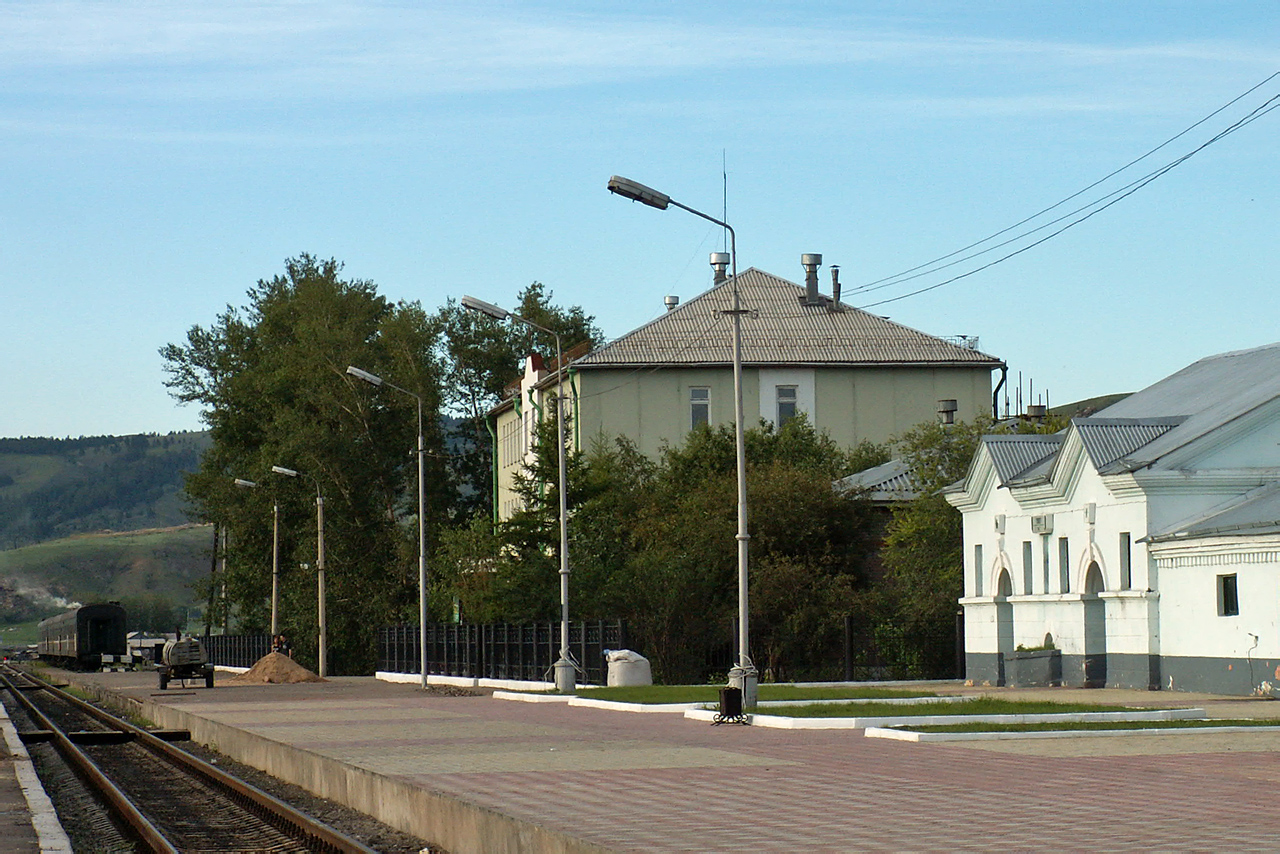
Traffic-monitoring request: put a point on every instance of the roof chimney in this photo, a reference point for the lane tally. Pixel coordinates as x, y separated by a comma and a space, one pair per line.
835, 287
671, 301
811, 261
719, 263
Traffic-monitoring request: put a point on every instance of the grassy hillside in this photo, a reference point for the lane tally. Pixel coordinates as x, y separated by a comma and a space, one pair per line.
137, 566
51, 488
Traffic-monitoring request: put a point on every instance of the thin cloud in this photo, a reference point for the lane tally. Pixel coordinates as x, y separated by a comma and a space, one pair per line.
374, 50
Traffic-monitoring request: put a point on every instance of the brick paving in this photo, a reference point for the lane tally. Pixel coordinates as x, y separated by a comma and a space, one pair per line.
654, 782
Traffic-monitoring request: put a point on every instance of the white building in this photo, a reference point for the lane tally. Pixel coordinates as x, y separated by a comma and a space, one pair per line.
1143, 541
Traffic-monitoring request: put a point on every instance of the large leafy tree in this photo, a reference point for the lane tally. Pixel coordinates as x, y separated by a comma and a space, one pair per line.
271, 378
480, 358
653, 542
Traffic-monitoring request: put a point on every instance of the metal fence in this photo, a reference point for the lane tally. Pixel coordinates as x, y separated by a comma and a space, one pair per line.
499, 651
236, 650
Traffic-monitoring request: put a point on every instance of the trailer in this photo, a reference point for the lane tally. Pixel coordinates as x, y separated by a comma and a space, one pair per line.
184, 659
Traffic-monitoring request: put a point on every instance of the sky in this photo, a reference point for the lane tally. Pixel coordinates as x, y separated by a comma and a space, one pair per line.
159, 158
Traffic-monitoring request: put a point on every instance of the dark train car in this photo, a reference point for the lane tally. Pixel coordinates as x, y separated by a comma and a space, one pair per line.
79, 638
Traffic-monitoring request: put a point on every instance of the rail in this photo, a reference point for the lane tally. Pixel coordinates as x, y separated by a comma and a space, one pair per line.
155, 832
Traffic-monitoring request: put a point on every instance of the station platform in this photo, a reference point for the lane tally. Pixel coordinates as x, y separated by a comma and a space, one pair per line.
480, 774
28, 822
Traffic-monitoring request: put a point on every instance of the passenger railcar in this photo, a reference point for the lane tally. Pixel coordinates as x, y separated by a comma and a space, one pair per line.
82, 636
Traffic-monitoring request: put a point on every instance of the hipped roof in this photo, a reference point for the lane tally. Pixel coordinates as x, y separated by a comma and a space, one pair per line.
778, 330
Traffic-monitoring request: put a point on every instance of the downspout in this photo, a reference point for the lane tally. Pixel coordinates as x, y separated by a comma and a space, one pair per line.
577, 422
542, 487
493, 441
995, 395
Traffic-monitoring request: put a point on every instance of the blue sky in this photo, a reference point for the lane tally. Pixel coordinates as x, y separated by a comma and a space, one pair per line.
159, 158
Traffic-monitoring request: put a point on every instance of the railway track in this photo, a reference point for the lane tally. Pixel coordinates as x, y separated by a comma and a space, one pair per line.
156, 796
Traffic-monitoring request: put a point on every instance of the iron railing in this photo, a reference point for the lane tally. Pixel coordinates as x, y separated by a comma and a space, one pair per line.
236, 650
500, 651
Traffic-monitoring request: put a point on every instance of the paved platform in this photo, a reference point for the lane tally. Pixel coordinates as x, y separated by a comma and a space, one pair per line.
481, 774
28, 822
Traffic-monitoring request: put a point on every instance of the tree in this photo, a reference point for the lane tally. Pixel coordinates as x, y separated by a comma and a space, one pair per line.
923, 549
480, 357
272, 381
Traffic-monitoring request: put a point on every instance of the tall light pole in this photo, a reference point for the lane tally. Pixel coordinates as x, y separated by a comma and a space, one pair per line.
565, 668
275, 557
322, 624
744, 674
375, 380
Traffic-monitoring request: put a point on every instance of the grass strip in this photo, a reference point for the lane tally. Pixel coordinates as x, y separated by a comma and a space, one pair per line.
711, 693
976, 706
1075, 726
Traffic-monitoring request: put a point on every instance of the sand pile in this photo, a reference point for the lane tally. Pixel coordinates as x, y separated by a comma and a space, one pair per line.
278, 668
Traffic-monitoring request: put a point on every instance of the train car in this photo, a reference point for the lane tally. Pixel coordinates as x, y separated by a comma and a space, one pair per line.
81, 637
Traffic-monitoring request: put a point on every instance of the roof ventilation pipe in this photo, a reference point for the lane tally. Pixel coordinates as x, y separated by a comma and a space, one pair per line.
811, 261
671, 301
720, 263
835, 287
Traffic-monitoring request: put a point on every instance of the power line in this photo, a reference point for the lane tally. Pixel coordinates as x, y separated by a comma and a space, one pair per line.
934, 266
1132, 188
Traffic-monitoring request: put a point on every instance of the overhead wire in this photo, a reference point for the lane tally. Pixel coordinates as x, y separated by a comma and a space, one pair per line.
933, 266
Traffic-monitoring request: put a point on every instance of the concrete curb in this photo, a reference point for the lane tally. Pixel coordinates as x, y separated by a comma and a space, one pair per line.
44, 819
778, 722
907, 735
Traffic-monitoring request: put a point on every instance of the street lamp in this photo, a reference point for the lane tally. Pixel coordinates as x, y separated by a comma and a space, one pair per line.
275, 556
565, 668
743, 674
323, 653
375, 380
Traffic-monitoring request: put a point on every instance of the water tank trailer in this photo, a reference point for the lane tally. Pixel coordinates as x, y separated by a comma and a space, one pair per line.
184, 659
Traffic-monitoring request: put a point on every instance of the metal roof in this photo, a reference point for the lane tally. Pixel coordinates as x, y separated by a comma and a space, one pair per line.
1110, 441
777, 330
1257, 512
1207, 394
1013, 454
891, 481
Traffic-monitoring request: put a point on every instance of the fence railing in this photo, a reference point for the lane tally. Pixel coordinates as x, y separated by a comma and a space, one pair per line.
500, 651
236, 650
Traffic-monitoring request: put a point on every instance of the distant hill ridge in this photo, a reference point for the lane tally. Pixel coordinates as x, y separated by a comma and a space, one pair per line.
52, 488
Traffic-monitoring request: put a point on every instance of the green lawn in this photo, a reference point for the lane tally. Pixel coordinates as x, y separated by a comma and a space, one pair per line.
711, 693
1090, 725
976, 706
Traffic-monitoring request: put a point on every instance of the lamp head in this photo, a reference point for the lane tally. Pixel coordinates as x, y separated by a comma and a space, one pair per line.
284, 471
637, 192
372, 379
485, 308
247, 484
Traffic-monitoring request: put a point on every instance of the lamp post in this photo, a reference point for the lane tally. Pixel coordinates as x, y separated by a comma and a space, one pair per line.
275, 557
743, 675
322, 625
375, 380
565, 668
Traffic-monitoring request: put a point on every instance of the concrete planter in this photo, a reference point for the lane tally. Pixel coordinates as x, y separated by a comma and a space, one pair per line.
1034, 668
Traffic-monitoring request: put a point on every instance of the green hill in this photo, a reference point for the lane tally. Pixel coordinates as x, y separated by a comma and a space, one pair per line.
51, 488
145, 569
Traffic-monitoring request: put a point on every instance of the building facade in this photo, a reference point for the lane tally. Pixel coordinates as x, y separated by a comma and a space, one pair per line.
854, 375
1141, 543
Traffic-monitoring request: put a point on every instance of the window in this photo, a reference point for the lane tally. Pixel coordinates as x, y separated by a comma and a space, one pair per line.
977, 569
1126, 555
1064, 566
1044, 561
1028, 571
786, 403
699, 406
1228, 596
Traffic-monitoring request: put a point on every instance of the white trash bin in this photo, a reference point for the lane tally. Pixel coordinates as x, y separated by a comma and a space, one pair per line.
627, 668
